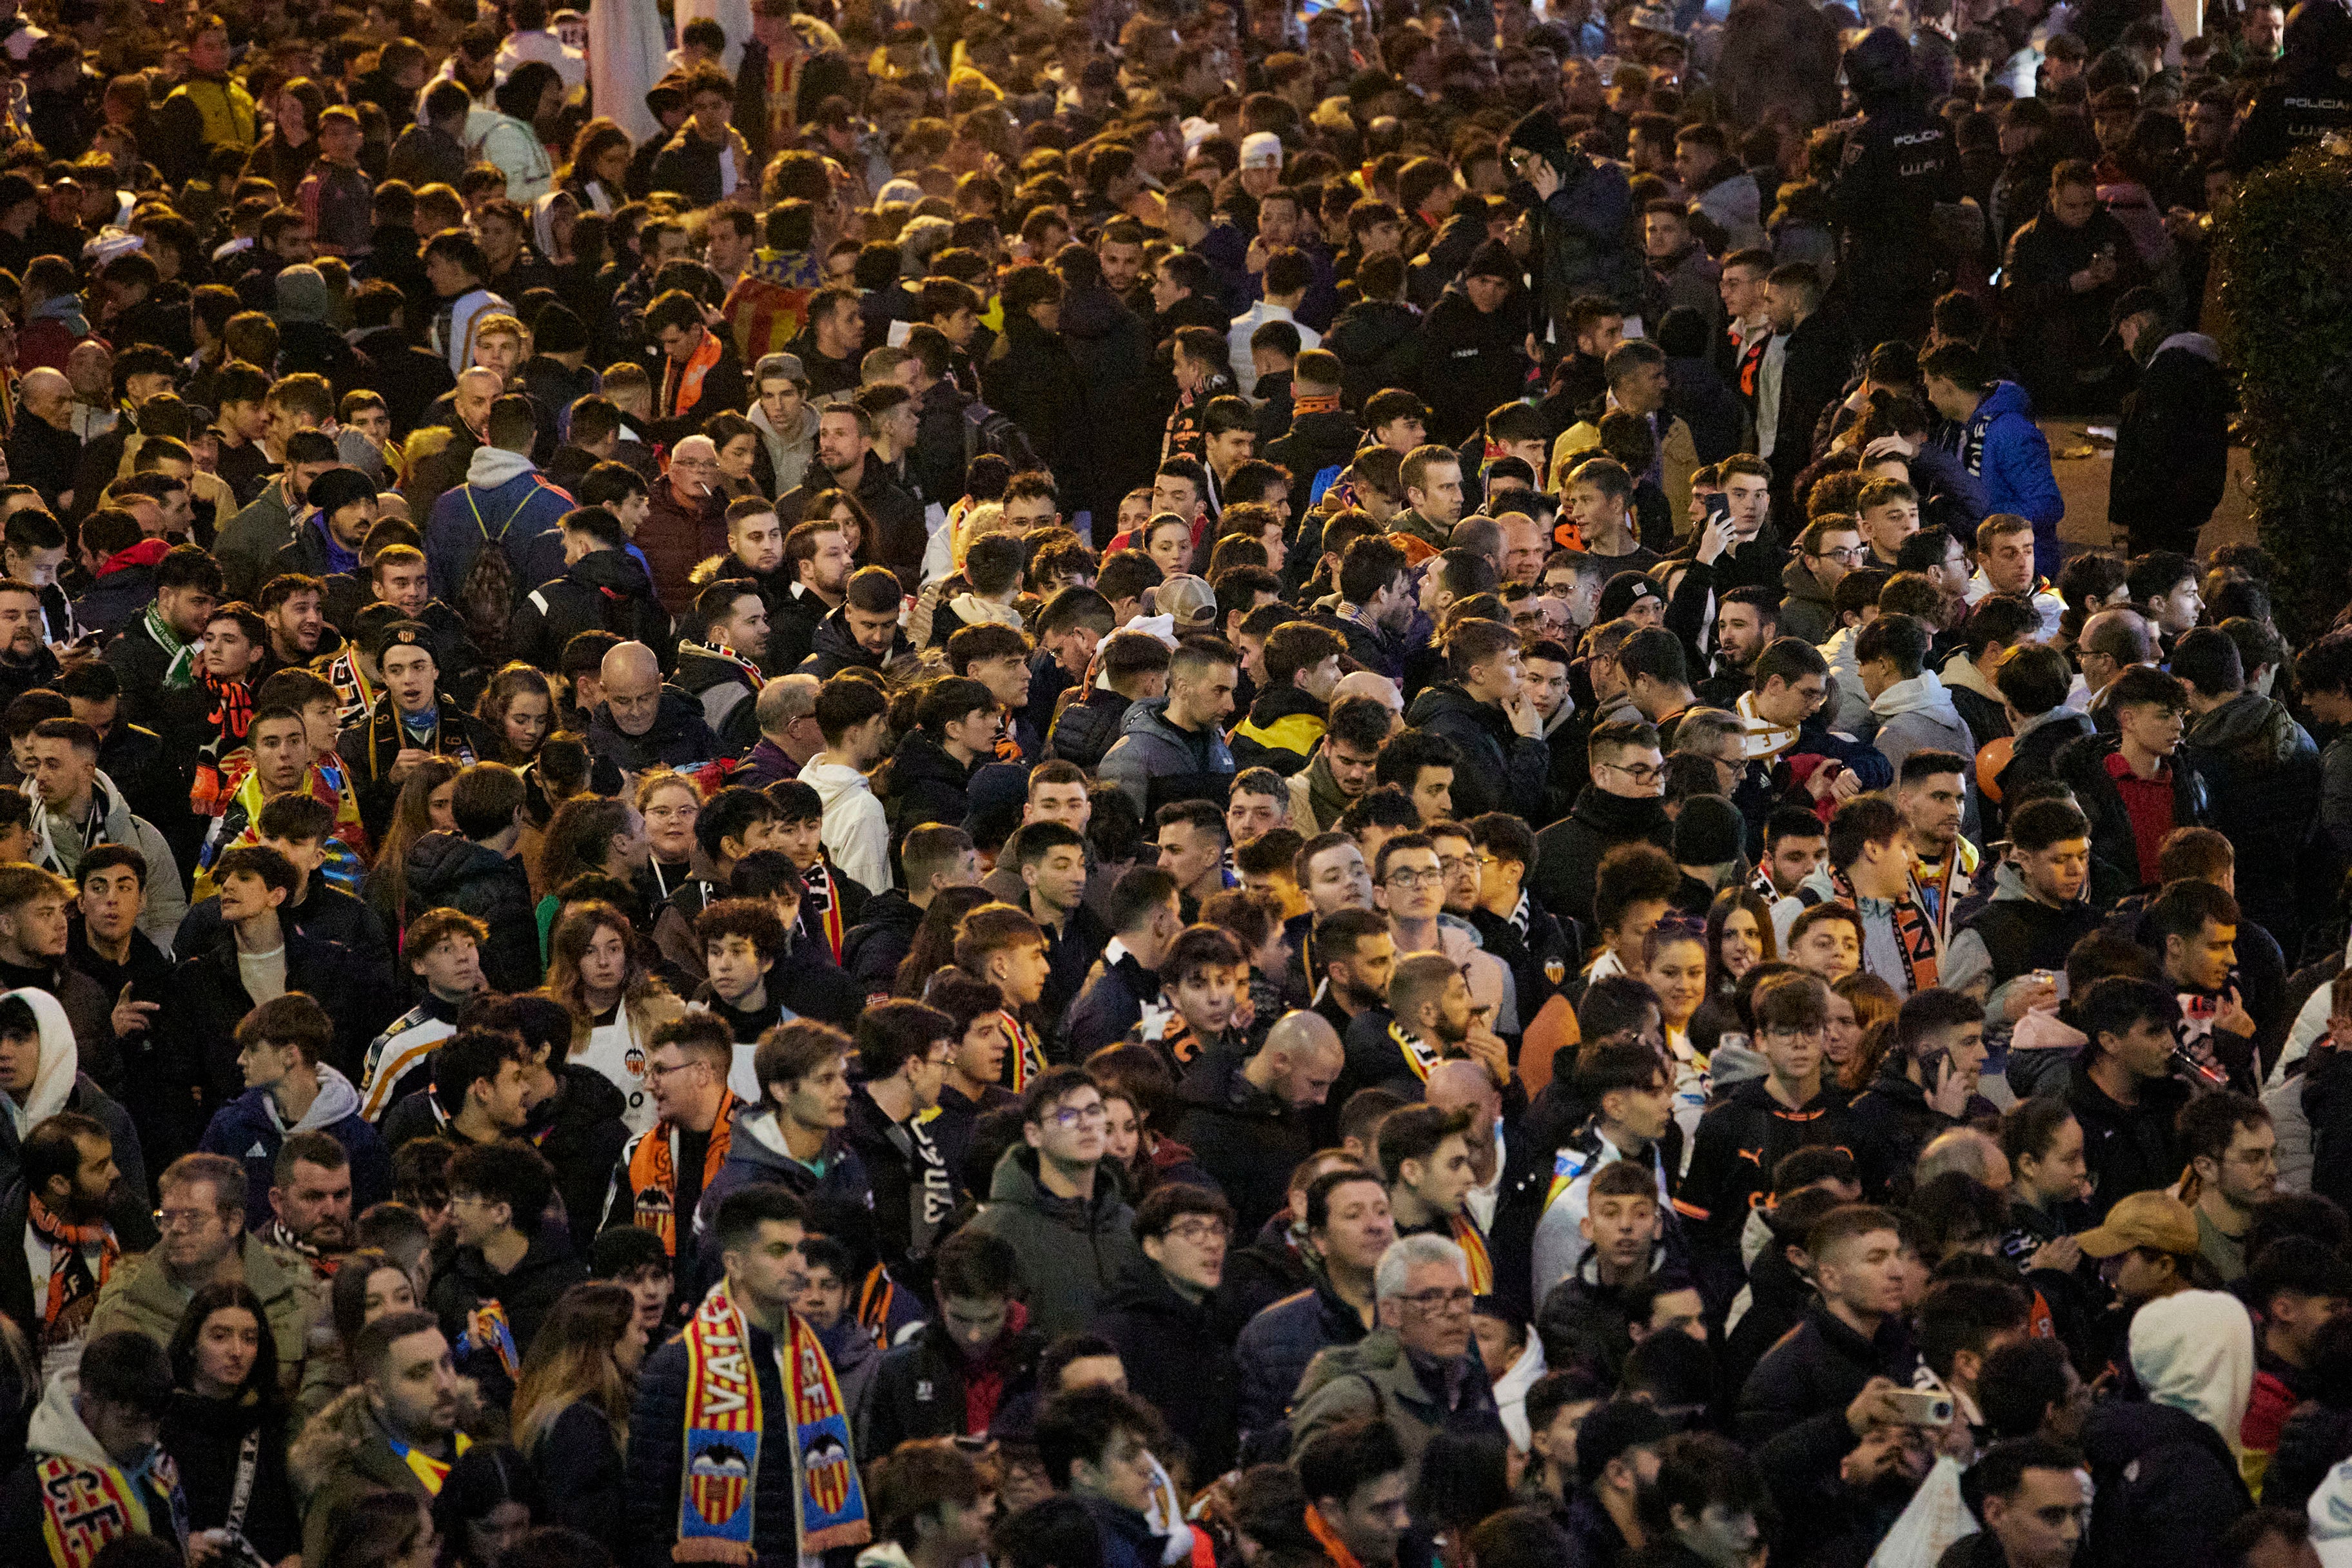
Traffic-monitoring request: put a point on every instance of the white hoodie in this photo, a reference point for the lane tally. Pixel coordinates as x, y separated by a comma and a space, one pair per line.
855, 834
2195, 1352
53, 1080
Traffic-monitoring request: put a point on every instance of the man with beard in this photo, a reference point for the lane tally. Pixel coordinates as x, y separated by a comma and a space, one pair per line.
26, 660
1746, 619
845, 450
405, 1441
1356, 1478
1340, 769
816, 562
310, 1201
721, 667
1377, 600
1933, 796
206, 1240
156, 651
291, 606
59, 1216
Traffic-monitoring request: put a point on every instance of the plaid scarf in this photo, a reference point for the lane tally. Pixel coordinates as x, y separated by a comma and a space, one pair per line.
73, 1290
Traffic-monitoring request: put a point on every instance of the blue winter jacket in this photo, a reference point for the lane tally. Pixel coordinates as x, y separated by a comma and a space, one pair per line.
2015, 464
519, 507
247, 1129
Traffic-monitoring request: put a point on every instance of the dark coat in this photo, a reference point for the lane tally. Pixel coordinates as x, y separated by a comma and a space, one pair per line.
1087, 727
1792, 1414
248, 1130
1569, 852
2172, 446
210, 1000
1379, 345
678, 736
834, 649
1111, 349
2082, 764
924, 784
1472, 363
1178, 1360
604, 590
918, 1391
1276, 1345
1031, 377
2265, 777
1500, 769
1814, 373
2168, 1485
657, 1460
527, 1293
1246, 1139
445, 870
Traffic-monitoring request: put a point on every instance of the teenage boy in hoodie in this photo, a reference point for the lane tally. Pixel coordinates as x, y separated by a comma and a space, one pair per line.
957, 722
1743, 1137
505, 499
1914, 713
976, 1353
507, 1269
289, 1090
853, 714
1991, 431
797, 1136
603, 588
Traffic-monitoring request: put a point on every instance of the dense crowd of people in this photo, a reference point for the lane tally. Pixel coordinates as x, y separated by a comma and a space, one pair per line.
1157, 783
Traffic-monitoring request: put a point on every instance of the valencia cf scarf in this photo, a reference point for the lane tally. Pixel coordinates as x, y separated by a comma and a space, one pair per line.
1418, 1058
816, 884
725, 1430
653, 1171
1932, 890
86, 1505
1473, 1251
1026, 1059
1915, 934
73, 1286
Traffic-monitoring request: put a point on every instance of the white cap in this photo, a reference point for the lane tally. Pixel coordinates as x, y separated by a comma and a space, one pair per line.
1261, 150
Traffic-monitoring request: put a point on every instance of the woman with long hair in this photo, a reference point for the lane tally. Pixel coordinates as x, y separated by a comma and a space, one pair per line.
226, 1426
598, 169
850, 515
737, 440
286, 152
572, 1407
1674, 966
424, 807
381, 1530
595, 971
1861, 1026
513, 716
368, 1285
590, 835
934, 945
1738, 937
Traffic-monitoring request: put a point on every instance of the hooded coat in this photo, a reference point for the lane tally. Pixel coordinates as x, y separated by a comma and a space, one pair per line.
835, 1187
251, 1130
1111, 347
446, 870
344, 1453
58, 1433
2172, 446
142, 1295
1379, 345
604, 590
59, 1084
923, 784
2167, 1470
1073, 1251
505, 498
1156, 763
1473, 362
1569, 852
1806, 610
1376, 1377
1917, 715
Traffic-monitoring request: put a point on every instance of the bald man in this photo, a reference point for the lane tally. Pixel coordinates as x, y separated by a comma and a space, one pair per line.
643, 723
1463, 1085
2113, 640
42, 451
1249, 1119
1370, 683
786, 714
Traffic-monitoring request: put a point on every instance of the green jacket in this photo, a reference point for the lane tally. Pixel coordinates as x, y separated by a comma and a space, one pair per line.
139, 1295
1374, 1377
342, 1455
1072, 1252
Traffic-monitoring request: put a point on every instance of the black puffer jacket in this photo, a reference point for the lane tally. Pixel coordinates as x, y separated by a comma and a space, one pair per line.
1569, 852
657, 1459
1247, 1139
1084, 730
2265, 774
832, 649
1313, 443
1177, 1359
1500, 769
447, 871
917, 1392
604, 590
1379, 345
923, 784
1472, 363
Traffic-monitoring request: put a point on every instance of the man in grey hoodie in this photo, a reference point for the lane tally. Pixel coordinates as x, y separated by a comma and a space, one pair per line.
1915, 712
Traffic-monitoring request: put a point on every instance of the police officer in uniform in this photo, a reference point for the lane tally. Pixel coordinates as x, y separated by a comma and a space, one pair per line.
2309, 98
1899, 163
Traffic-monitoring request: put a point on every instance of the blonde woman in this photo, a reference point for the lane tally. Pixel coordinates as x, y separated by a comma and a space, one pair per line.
571, 1407
593, 969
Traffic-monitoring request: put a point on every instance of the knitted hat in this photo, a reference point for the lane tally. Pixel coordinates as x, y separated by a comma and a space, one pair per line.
1493, 259
302, 294
1707, 832
1625, 591
338, 488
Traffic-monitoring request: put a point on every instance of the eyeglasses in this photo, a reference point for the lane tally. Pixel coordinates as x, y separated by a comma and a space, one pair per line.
184, 1219
1850, 555
1406, 877
1457, 1300
1200, 1232
1453, 863
1639, 772
657, 1071
1070, 1116
1778, 1033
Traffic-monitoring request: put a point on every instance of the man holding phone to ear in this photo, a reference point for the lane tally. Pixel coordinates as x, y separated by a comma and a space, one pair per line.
1926, 1085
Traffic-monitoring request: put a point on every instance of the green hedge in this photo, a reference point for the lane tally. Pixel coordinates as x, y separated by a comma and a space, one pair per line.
2284, 258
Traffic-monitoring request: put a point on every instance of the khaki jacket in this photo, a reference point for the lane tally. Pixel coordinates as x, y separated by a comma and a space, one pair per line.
139, 1295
